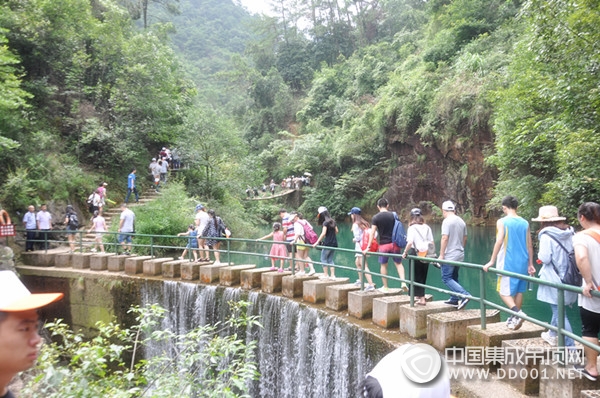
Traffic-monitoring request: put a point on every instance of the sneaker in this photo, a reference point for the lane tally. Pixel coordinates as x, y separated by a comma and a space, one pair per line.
583, 371
369, 288
518, 321
404, 289
383, 289
451, 302
509, 322
462, 303
357, 283
552, 340
311, 272
93, 250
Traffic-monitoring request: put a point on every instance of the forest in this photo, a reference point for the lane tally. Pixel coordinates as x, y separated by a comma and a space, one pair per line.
419, 101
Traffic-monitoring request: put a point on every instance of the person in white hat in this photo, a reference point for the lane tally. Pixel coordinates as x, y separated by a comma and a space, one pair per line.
19, 338
556, 241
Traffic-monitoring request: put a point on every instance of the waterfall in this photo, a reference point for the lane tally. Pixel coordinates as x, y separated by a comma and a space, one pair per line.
301, 351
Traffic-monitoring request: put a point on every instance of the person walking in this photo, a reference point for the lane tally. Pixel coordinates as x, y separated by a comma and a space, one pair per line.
328, 238
98, 226
419, 238
44, 225
202, 219
383, 224
301, 252
155, 172
132, 187
215, 228
288, 232
587, 254
126, 228
452, 248
192, 245
360, 226
72, 224
512, 252
555, 243
30, 224
278, 250
20, 341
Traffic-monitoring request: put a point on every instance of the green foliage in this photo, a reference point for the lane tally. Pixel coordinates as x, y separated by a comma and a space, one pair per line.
209, 361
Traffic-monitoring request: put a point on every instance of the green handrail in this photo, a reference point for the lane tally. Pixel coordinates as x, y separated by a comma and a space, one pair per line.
483, 301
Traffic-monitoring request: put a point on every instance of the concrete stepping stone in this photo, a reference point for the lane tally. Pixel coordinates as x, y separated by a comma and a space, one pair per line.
413, 320
135, 265
336, 296
271, 282
231, 275
153, 266
449, 329
386, 309
360, 303
251, 278
293, 285
314, 290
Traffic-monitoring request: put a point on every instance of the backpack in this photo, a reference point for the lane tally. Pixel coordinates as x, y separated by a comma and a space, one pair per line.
398, 234
310, 236
73, 221
365, 239
572, 276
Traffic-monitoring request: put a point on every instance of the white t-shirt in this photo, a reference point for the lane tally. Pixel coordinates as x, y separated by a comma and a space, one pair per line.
420, 235
202, 219
593, 249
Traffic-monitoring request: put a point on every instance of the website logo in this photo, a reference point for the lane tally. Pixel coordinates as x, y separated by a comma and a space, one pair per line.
421, 363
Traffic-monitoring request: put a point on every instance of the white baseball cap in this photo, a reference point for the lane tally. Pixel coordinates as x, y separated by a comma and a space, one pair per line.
448, 205
15, 297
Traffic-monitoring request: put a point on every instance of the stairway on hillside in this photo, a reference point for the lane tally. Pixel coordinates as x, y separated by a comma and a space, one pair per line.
112, 214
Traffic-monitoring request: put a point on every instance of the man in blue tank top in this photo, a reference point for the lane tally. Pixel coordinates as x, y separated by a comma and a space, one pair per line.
513, 252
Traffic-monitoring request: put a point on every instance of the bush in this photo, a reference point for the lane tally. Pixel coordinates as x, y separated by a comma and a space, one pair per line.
205, 362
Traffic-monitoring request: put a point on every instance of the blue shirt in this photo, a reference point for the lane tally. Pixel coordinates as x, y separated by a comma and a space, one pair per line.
131, 181
29, 220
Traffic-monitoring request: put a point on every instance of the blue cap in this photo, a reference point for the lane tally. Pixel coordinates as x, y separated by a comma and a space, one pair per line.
199, 206
354, 210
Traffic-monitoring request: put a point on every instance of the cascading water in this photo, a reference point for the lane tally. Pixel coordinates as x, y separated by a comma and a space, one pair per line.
301, 352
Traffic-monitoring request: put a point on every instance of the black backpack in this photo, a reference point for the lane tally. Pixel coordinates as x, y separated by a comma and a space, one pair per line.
73, 221
572, 276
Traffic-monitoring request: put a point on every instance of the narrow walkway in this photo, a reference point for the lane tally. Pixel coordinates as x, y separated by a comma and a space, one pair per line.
269, 196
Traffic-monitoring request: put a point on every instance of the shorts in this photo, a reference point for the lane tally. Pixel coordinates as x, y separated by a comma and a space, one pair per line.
590, 323
71, 231
389, 248
508, 286
99, 236
290, 248
123, 238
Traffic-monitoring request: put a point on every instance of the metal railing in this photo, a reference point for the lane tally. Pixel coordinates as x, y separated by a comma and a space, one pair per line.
237, 246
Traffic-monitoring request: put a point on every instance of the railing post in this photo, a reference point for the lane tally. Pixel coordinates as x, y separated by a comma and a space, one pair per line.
482, 297
228, 252
561, 317
362, 273
411, 268
152, 246
293, 262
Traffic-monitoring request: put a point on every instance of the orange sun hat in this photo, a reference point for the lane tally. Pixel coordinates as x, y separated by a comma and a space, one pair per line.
15, 297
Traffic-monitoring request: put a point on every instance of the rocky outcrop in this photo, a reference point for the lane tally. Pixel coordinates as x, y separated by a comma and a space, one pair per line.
442, 171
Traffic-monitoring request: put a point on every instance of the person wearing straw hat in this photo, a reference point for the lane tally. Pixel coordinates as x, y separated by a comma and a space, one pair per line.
556, 241
19, 338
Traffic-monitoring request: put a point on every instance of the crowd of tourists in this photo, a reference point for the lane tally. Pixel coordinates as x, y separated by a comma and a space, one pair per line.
560, 250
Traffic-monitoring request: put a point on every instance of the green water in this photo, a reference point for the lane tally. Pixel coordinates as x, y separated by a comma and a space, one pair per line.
478, 250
